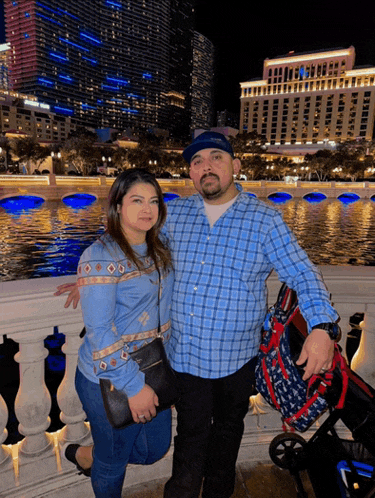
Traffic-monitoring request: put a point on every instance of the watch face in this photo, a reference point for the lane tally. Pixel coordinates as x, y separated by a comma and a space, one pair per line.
335, 331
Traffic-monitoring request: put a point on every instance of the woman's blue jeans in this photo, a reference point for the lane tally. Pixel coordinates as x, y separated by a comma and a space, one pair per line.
115, 448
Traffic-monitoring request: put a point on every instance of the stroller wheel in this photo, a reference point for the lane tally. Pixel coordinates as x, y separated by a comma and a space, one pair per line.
287, 451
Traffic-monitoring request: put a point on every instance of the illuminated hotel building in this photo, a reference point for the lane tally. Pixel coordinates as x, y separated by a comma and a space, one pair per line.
202, 83
310, 98
106, 63
22, 115
4, 55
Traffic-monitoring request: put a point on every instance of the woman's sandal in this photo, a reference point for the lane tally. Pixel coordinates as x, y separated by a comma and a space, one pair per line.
68, 452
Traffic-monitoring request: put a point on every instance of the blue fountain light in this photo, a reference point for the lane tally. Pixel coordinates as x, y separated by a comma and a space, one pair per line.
19, 203
279, 197
79, 201
348, 197
372, 198
250, 194
314, 197
168, 196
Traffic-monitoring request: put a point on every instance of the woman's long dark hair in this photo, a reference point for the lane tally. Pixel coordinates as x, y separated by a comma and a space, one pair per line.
155, 247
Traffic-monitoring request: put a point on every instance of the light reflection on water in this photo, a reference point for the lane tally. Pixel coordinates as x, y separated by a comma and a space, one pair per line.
47, 241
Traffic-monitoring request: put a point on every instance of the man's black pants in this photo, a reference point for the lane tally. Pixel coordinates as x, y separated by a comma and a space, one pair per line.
210, 426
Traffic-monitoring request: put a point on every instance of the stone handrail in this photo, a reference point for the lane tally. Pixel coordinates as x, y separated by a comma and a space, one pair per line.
29, 312
52, 187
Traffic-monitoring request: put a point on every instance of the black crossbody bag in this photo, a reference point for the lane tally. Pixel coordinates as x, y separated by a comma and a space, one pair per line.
153, 362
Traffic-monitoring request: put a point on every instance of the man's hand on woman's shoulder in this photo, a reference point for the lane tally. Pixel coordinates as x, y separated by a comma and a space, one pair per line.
73, 296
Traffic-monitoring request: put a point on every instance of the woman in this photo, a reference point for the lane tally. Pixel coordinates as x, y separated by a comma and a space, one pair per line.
119, 284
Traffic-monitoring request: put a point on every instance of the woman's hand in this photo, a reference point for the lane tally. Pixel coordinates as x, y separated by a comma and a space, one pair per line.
73, 294
143, 405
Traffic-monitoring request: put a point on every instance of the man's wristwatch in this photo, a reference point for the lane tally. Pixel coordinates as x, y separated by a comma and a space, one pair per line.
332, 329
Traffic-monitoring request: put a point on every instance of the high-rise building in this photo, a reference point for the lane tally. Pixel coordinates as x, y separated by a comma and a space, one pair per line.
227, 118
4, 74
310, 98
181, 67
107, 63
202, 89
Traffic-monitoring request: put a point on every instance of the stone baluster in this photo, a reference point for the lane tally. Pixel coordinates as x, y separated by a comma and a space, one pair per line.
363, 362
5, 453
7, 477
33, 400
72, 414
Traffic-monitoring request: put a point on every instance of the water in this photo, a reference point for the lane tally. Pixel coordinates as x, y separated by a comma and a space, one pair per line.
48, 240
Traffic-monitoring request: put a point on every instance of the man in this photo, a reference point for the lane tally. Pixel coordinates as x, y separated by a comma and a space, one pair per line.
224, 244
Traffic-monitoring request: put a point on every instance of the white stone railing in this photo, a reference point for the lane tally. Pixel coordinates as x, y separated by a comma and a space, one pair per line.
29, 312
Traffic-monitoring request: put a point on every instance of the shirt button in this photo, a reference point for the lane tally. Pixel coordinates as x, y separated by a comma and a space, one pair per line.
195, 288
202, 262
191, 314
208, 238
191, 337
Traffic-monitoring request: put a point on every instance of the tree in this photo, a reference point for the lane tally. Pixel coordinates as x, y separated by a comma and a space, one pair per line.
282, 167
253, 167
80, 152
320, 164
247, 143
5, 147
29, 150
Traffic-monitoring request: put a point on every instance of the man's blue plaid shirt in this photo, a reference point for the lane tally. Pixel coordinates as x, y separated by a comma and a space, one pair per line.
219, 299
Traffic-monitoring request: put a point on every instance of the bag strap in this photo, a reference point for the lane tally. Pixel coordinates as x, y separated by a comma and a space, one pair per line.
159, 292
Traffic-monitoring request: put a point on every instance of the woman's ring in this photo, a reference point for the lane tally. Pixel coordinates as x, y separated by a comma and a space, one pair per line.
141, 416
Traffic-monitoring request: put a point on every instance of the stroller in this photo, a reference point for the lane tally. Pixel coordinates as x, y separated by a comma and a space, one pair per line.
337, 468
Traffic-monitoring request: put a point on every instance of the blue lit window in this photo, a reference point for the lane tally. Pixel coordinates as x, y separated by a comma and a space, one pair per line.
26, 35
147, 76
68, 14
120, 81
58, 56
91, 38
44, 81
130, 111
74, 44
134, 96
47, 8
65, 77
111, 3
27, 14
109, 87
87, 107
49, 19
93, 61
14, 3
63, 110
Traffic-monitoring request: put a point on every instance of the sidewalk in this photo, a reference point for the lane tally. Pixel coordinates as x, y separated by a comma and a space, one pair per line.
262, 480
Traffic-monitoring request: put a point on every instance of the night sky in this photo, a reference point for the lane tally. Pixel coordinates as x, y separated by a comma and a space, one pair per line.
245, 36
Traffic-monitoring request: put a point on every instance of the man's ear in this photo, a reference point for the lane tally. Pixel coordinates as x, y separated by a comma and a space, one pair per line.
236, 166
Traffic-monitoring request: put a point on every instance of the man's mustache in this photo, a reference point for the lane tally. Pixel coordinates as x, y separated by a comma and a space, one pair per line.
207, 175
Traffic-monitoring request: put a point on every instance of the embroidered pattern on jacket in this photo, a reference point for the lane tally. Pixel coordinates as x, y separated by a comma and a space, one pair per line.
116, 346
105, 279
